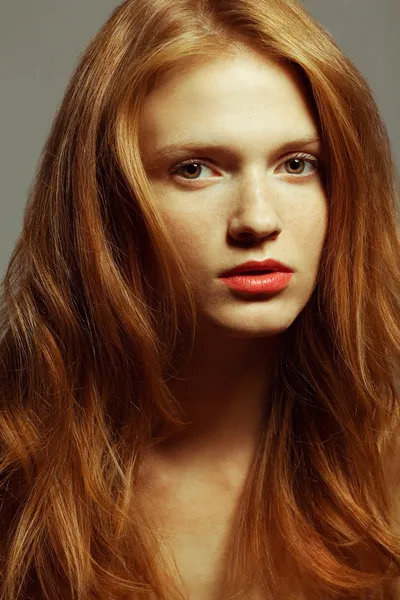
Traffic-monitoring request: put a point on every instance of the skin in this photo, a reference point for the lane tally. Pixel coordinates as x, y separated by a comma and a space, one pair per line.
249, 203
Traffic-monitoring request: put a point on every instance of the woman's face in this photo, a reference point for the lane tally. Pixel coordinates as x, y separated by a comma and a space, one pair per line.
245, 198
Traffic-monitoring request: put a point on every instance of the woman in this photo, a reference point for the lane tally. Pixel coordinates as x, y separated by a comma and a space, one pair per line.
171, 429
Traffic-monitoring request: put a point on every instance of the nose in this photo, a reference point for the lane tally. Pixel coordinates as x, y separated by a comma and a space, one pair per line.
254, 215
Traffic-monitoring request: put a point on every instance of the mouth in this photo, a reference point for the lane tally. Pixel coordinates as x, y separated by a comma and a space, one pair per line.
258, 281
254, 272
254, 267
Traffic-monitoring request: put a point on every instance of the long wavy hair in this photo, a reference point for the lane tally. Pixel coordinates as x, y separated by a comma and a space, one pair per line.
97, 314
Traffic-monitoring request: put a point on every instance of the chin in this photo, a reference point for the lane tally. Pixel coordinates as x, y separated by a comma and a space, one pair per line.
257, 332
256, 326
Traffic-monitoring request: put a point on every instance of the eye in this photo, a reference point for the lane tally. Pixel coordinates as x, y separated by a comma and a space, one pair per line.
296, 163
190, 165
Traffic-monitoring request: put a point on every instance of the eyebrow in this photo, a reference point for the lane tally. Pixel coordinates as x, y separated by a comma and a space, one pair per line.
181, 148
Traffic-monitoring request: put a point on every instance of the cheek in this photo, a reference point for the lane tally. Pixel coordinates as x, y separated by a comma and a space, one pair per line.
190, 234
184, 227
310, 221
308, 233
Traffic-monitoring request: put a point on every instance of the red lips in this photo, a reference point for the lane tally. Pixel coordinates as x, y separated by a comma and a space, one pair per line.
266, 265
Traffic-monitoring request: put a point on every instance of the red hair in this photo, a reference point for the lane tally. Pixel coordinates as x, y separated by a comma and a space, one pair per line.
95, 288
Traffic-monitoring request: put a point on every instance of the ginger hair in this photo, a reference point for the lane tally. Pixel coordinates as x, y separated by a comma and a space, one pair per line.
95, 301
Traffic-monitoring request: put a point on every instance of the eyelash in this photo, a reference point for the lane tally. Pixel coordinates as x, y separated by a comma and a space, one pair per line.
198, 161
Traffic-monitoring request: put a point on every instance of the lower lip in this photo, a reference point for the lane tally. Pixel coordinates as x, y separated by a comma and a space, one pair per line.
259, 284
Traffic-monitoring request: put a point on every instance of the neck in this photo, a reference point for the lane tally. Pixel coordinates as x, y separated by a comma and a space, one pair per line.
223, 390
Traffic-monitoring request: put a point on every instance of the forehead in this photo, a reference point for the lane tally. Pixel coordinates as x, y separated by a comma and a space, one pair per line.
246, 99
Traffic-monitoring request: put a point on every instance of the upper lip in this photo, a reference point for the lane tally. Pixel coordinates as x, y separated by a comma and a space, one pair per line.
270, 264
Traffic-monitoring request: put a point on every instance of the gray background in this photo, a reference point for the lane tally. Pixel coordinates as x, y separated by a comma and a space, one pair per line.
40, 44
